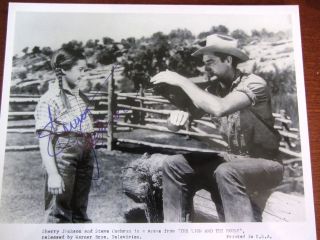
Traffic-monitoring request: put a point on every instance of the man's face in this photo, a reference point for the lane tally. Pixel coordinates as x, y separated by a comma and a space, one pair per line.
74, 75
215, 67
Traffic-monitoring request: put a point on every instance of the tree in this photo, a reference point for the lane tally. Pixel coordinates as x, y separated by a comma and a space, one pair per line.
108, 54
107, 40
266, 34
221, 29
203, 35
184, 63
181, 34
47, 51
242, 37
25, 50
255, 34
36, 50
160, 48
263, 34
74, 47
159, 37
90, 44
239, 34
180, 37
129, 42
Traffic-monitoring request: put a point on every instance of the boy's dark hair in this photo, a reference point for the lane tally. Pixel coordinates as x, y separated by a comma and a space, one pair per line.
62, 59
223, 57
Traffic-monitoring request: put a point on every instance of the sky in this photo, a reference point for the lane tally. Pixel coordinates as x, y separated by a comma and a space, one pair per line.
54, 28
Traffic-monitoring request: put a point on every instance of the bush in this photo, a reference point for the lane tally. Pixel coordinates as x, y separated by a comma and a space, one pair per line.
282, 84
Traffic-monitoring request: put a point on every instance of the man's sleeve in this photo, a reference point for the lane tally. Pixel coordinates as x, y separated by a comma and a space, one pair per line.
254, 87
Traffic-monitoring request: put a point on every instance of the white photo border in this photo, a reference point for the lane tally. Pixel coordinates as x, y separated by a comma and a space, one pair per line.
293, 231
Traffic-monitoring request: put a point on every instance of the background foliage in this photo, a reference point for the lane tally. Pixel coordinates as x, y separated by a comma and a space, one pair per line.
271, 58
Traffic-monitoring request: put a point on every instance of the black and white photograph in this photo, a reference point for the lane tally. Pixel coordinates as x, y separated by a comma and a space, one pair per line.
173, 115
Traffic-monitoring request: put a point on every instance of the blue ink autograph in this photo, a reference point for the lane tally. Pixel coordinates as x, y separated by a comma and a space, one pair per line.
75, 124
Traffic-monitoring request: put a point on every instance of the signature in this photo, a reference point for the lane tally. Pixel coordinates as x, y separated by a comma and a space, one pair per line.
75, 124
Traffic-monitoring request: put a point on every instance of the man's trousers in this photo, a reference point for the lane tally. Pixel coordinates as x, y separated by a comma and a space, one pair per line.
229, 178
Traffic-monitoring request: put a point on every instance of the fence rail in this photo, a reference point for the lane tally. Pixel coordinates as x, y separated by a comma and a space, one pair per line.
151, 116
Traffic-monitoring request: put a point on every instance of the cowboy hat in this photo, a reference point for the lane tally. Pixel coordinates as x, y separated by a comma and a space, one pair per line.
223, 44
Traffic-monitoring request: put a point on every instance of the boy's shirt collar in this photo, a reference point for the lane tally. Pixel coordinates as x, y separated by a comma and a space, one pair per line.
66, 88
74, 91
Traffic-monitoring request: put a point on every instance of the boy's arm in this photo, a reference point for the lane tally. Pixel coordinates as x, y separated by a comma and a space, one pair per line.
55, 181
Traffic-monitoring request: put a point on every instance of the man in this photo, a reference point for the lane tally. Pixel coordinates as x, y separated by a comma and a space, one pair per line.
243, 103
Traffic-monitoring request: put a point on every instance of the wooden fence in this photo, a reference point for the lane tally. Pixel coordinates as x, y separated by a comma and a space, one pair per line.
113, 110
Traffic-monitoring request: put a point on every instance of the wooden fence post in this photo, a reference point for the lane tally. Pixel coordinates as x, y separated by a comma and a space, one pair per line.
142, 114
111, 108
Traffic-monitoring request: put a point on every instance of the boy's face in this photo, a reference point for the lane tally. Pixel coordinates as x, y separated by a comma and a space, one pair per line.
74, 75
215, 67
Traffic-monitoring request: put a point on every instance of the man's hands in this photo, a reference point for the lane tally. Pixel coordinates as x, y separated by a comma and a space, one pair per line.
55, 184
169, 77
177, 119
